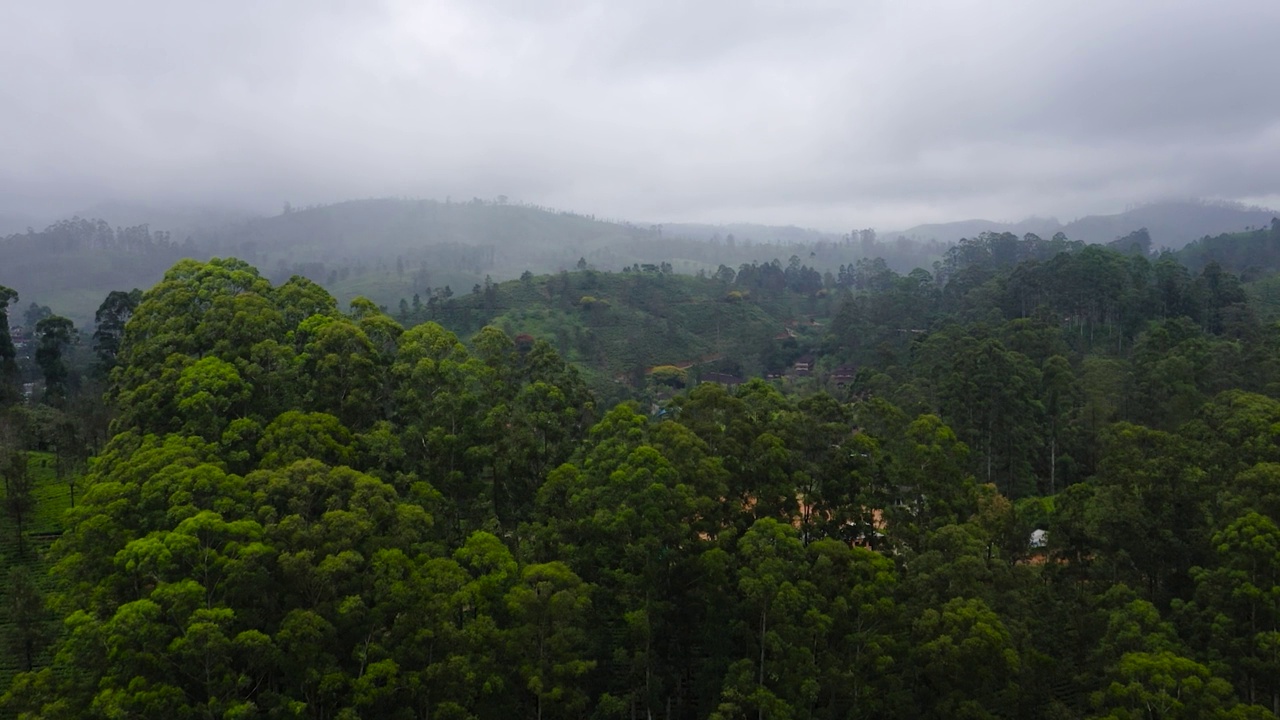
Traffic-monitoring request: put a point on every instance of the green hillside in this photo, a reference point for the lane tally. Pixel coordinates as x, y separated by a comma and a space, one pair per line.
1252, 253
1264, 297
72, 265
618, 325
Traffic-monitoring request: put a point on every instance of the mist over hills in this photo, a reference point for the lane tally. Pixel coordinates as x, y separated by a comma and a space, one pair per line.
749, 232
1171, 224
357, 229
16, 222
388, 249
180, 221
951, 232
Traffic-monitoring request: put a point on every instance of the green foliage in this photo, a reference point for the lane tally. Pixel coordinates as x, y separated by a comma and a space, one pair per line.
27, 627
965, 658
669, 375
109, 322
310, 513
623, 324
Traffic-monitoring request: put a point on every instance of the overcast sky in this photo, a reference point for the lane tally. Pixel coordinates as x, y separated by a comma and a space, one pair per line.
825, 114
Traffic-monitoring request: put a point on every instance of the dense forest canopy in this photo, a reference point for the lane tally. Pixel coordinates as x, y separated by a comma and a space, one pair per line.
1037, 480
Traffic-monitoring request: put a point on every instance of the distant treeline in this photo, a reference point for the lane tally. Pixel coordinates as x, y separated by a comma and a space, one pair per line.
77, 234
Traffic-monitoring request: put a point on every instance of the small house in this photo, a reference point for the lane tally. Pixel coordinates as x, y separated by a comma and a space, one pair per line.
844, 375
803, 365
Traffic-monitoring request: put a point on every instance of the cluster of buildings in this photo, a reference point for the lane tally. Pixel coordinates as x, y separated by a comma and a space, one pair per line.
807, 366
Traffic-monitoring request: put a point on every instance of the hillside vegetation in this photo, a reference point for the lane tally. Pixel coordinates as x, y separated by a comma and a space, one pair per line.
618, 325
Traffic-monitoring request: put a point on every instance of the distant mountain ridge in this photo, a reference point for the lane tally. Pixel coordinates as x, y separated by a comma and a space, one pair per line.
954, 231
1171, 224
180, 221
387, 249
749, 232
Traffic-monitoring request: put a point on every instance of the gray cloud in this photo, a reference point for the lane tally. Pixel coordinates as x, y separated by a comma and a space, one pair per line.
831, 114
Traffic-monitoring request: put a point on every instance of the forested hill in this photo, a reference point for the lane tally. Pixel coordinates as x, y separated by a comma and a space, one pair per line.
387, 249
71, 265
619, 325
305, 512
390, 248
507, 237
1253, 253
379, 248
1170, 224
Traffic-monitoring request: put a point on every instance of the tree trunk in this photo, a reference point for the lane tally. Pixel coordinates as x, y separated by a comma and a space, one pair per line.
1053, 464
988, 454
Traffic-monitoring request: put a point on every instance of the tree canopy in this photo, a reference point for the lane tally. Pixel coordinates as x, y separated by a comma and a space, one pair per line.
1057, 499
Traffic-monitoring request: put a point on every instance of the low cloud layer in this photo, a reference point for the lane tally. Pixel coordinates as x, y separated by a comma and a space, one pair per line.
827, 114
